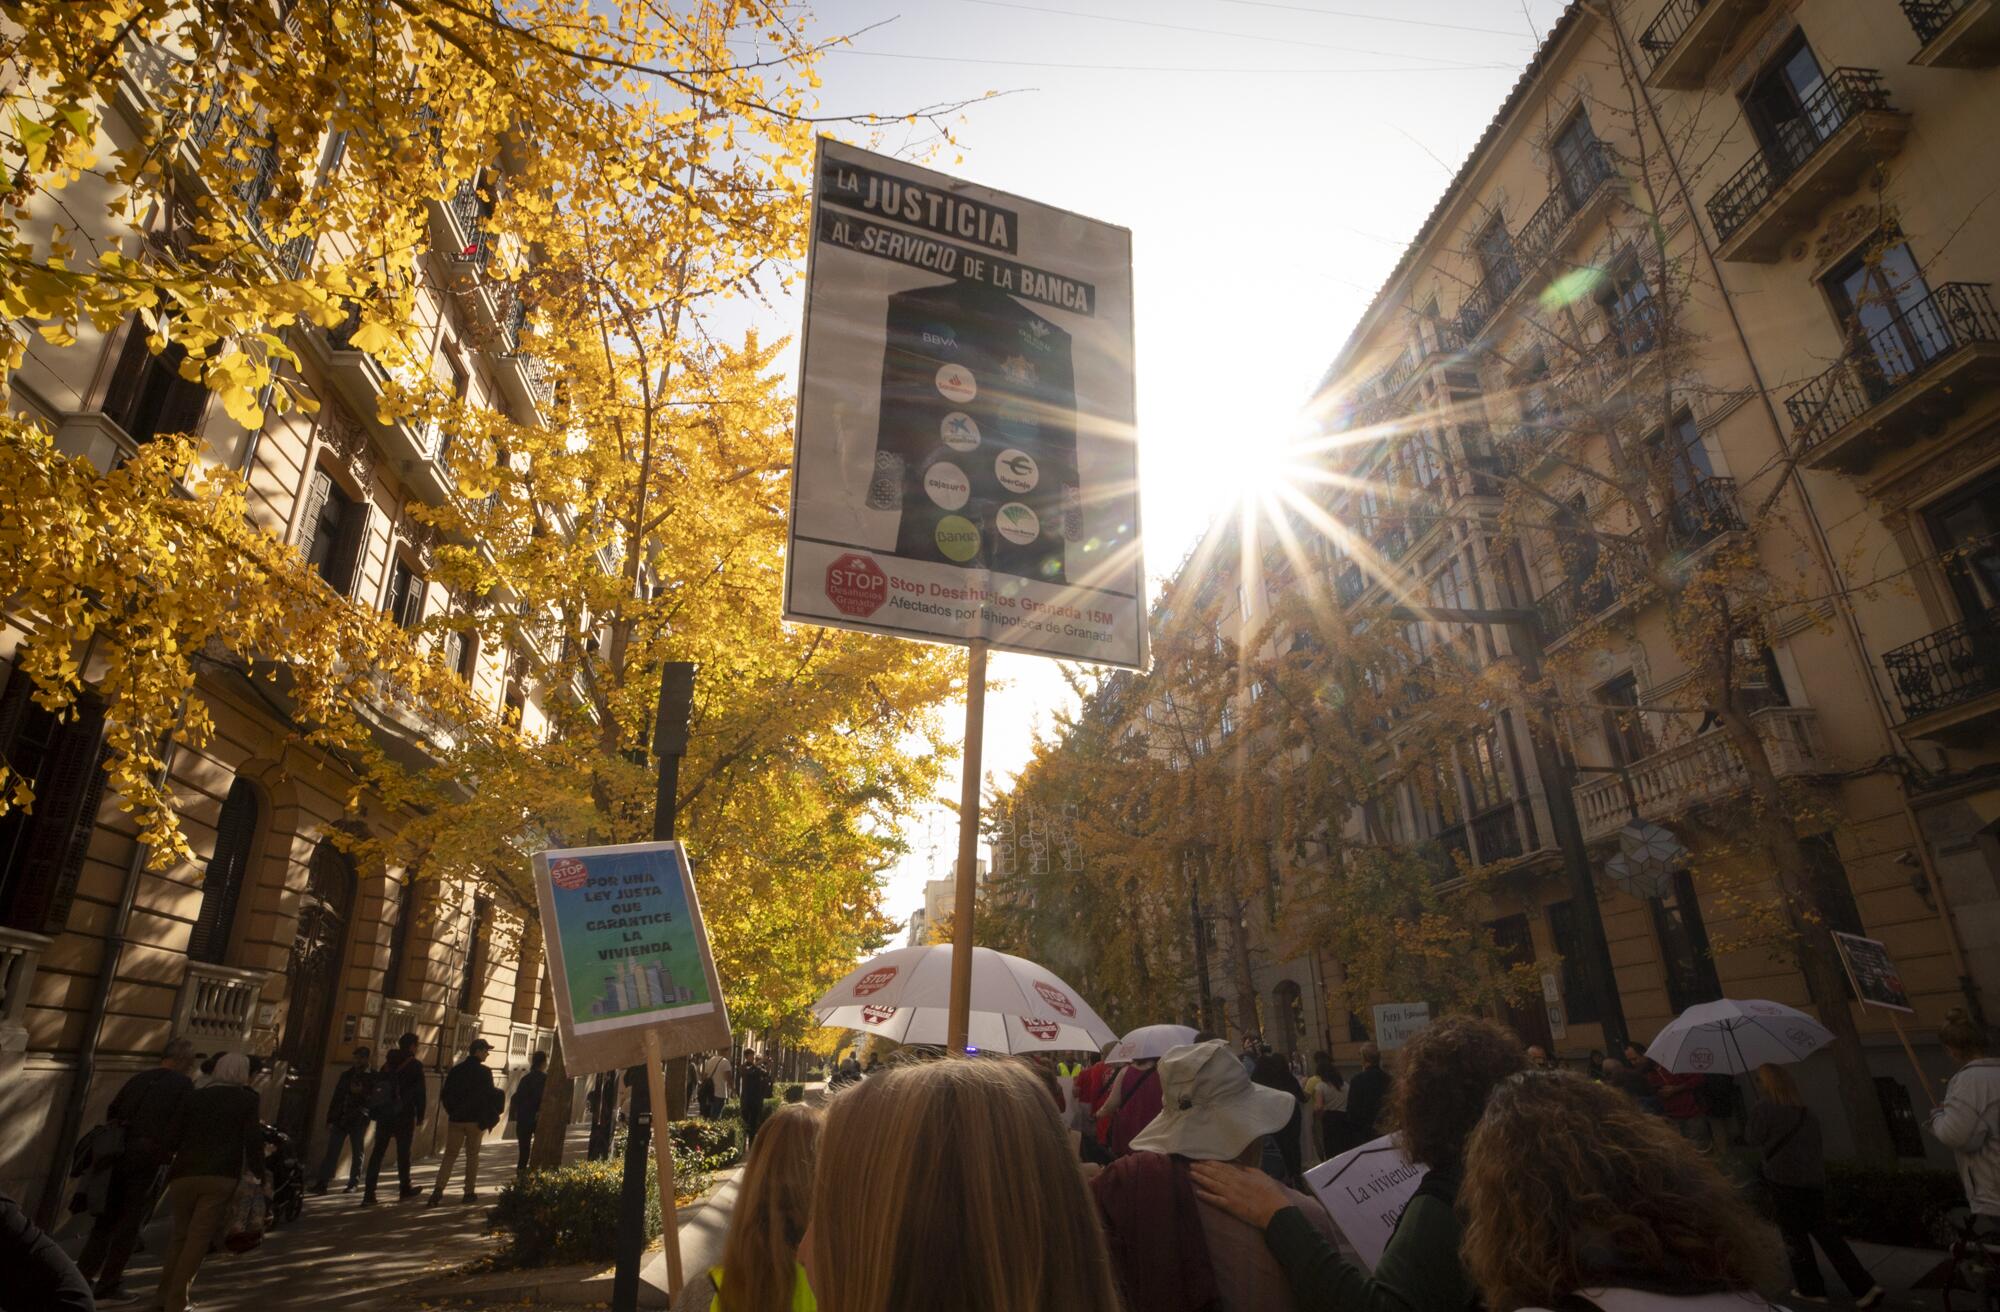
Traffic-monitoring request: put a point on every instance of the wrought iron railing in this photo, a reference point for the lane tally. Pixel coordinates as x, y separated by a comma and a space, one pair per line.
1929, 18
1844, 94
1953, 315
1499, 283
1668, 27
469, 211
1573, 190
1583, 597
1703, 512
1349, 583
1948, 668
1497, 833
1442, 851
1634, 329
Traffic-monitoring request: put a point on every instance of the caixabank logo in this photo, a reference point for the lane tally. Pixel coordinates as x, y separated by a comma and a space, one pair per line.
856, 585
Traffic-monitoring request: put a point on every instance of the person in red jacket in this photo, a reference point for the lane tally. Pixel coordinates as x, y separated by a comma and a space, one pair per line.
1679, 1095
1134, 1102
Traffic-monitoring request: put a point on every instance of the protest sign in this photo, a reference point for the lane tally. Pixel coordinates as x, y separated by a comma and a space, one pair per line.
965, 466
1365, 1190
627, 954
1876, 980
1397, 1022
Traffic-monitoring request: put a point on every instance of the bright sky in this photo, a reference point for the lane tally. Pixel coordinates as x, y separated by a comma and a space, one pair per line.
1271, 160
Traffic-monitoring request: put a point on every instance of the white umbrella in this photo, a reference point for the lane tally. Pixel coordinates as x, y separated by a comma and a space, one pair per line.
1734, 1038
1017, 1006
1150, 1042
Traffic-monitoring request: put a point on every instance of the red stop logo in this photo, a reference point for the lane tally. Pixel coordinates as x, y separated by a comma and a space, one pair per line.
856, 585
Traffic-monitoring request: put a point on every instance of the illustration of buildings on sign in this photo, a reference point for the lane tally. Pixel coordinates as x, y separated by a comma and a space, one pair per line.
635, 986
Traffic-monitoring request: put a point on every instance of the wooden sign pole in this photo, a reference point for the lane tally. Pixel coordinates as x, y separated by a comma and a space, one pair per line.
1896, 1019
663, 1148
959, 1018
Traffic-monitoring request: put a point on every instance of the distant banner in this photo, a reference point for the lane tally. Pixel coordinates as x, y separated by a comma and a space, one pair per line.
965, 464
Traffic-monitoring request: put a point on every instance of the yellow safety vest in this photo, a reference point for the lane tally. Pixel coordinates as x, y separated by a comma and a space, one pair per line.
802, 1294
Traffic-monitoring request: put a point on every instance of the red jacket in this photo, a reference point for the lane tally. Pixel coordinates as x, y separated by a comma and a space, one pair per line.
1136, 1110
1680, 1095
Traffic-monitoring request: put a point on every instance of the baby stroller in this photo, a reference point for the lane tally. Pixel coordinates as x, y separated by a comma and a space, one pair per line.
286, 1174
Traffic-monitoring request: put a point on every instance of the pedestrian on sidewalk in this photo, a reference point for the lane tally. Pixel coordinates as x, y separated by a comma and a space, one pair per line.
1284, 1152
714, 1084
1329, 1107
147, 1113
1680, 1100
347, 1121
1575, 1198
1792, 1161
472, 1106
950, 1184
753, 1091
760, 1269
1968, 1121
396, 1105
1449, 1069
221, 1138
1367, 1094
527, 1107
1172, 1252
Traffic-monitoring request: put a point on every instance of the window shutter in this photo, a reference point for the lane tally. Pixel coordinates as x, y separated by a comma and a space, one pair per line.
344, 564
185, 403
66, 805
222, 885
13, 701
316, 494
121, 392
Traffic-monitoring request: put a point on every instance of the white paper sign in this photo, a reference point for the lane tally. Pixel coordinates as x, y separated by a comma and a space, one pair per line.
1365, 1190
1396, 1023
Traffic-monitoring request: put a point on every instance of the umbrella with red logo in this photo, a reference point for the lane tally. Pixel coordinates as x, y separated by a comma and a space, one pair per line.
1017, 1006
1728, 1037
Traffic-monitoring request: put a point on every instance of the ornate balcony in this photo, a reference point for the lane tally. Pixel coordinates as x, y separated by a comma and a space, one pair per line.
218, 1004
1698, 772
1948, 682
1702, 513
1441, 853
1576, 196
1697, 516
1687, 36
1955, 33
1485, 300
1496, 834
1843, 129
20, 954
1901, 382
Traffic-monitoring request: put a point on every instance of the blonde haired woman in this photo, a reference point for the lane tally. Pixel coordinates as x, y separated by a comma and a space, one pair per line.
1792, 1159
950, 1184
1572, 1192
760, 1271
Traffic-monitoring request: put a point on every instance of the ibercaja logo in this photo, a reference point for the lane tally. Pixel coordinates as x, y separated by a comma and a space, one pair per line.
874, 981
1056, 998
568, 873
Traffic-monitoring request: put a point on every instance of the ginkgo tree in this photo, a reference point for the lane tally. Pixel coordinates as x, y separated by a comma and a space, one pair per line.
640, 173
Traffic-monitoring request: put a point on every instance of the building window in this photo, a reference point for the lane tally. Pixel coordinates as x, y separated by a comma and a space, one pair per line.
399, 945
1228, 719
333, 534
460, 652
1576, 541
1580, 1001
476, 952
1690, 967
1965, 529
147, 395
1630, 312
1873, 293
1579, 161
1486, 772
406, 595
1623, 722
222, 882
1494, 249
42, 851
1783, 107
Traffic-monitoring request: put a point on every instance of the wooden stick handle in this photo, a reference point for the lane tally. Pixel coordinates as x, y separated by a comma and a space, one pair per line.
1896, 1019
663, 1147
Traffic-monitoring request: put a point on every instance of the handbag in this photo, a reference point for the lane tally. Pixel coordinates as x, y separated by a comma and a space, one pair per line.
247, 1217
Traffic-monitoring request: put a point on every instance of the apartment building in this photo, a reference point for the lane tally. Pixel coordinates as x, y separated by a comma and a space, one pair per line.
1713, 286
273, 941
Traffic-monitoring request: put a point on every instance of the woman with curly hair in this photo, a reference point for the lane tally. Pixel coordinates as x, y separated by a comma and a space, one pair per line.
1571, 1192
1448, 1070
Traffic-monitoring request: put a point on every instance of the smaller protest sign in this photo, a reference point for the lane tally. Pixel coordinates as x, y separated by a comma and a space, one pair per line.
1365, 1190
1397, 1022
1876, 980
628, 954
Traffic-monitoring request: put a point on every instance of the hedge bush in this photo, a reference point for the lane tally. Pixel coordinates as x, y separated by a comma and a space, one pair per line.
710, 1144
570, 1214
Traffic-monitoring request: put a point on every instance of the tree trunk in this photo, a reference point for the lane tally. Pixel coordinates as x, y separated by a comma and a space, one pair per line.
1826, 981
552, 1125
1239, 960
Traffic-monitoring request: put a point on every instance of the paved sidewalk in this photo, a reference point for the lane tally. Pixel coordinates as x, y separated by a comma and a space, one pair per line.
339, 1252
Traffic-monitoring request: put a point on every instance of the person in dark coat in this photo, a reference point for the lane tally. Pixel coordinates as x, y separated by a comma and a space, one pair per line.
1367, 1093
753, 1089
148, 1110
40, 1276
396, 1105
527, 1107
472, 1106
221, 1138
347, 1122
1792, 1160
1273, 1072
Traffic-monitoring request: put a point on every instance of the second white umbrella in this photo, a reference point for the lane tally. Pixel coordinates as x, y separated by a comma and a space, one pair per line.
1017, 1006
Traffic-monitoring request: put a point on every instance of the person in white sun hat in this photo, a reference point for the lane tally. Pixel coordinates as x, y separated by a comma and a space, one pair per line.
1172, 1252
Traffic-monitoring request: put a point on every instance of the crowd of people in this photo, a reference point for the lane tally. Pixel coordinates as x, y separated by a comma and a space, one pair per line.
1164, 1184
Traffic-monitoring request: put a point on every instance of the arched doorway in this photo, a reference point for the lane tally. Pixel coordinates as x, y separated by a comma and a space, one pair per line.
314, 975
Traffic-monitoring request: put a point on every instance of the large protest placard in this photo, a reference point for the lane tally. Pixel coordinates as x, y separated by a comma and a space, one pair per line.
1873, 973
627, 953
965, 464
1365, 1191
1396, 1023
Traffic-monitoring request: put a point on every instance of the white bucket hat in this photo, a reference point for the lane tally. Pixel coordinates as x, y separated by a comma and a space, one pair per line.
1209, 1109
